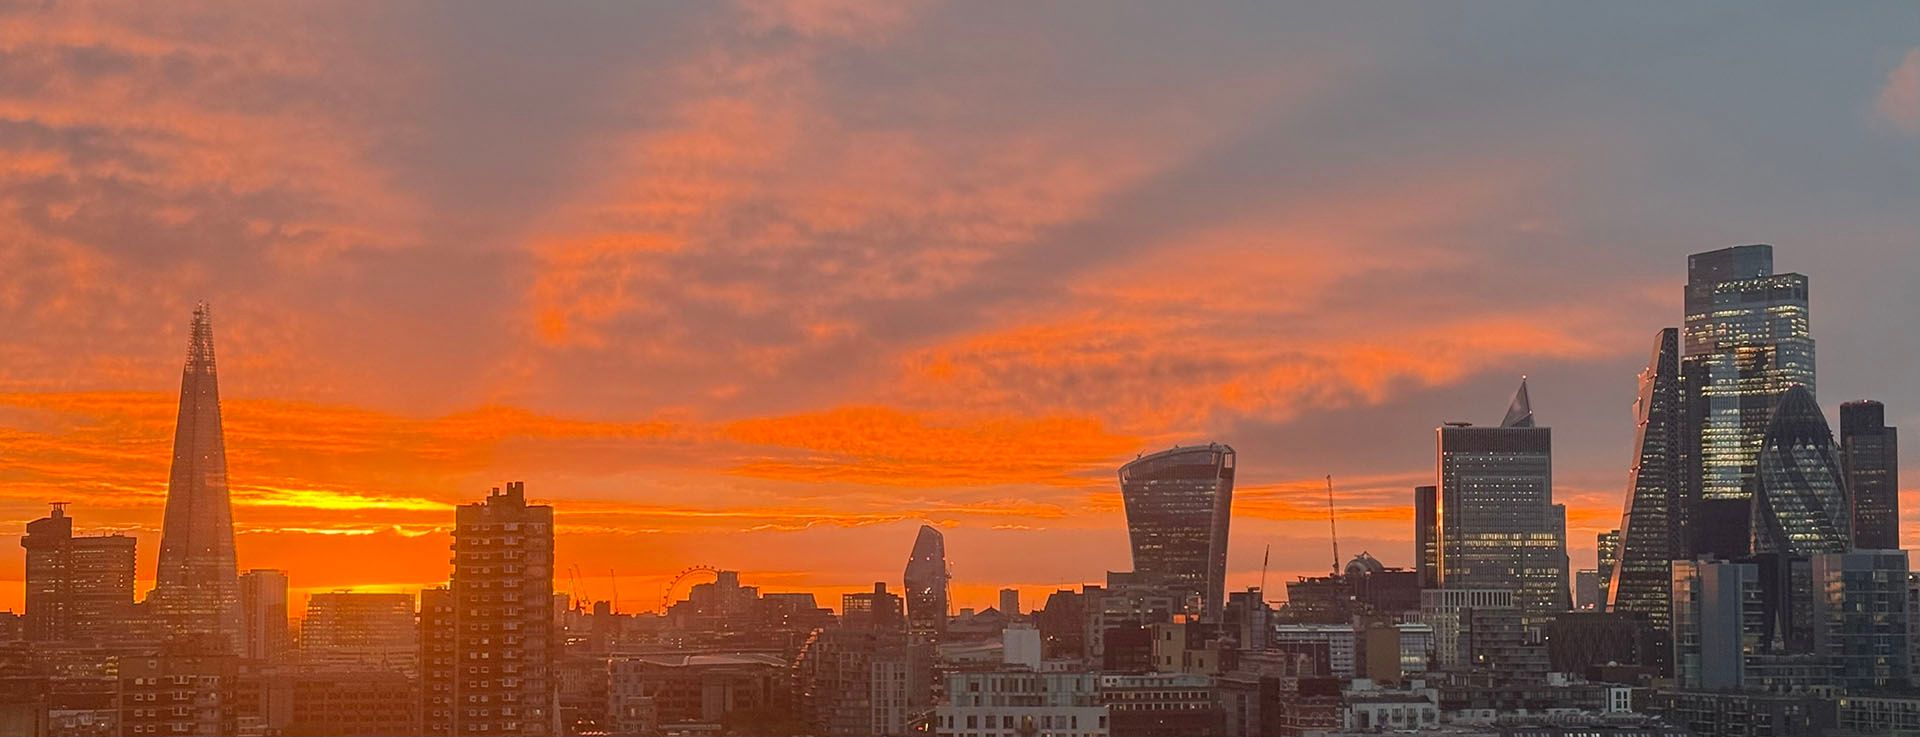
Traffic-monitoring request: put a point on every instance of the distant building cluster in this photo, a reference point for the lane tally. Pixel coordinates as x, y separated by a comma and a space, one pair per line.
1755, 587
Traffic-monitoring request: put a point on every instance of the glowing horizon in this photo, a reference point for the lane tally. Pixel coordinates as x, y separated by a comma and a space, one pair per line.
766, 285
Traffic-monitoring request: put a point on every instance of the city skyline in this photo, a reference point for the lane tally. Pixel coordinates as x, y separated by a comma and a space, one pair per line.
978, 349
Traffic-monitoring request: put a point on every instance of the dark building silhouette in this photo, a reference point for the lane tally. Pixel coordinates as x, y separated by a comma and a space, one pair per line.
1606, 556
504, 641
78, 588
878, 609
196, 593
1426, 535
1063, 624
1746, 341
1800, 504
926, 584
1499, 527
1178, 504
1577, 641
1641, 583
1870, 458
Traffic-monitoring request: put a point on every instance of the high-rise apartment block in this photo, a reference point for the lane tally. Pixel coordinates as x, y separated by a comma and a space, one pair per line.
79, 588
504, 641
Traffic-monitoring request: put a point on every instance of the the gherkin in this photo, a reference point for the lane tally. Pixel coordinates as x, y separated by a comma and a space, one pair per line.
1800, 504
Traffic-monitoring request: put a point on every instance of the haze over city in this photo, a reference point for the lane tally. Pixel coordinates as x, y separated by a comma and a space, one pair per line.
768, 285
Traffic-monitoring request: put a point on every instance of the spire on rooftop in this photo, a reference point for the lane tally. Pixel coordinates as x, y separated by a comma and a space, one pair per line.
1520, 411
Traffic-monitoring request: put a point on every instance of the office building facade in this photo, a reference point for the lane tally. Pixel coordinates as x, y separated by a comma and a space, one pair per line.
1747, 340
1870, 459
1178, 505
263, 601
1499, 527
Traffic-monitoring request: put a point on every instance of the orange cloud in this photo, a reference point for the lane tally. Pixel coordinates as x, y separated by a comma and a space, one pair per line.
878, 445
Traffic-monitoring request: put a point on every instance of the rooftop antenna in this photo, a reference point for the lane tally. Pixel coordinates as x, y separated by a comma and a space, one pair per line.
616, 590
1333, 528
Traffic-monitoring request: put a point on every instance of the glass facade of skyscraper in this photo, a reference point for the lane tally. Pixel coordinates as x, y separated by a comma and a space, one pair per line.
1800, 507
1870, 457
1748, 340
1499, 527
1178, 503
1642, 581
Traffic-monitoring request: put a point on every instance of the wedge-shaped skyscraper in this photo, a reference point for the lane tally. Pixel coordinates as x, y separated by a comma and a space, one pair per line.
1642, 581
1800, 506
1178, 503
196, 594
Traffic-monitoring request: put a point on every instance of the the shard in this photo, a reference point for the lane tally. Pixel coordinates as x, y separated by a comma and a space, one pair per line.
1642, 580
1801, 504
196, 596
926, 580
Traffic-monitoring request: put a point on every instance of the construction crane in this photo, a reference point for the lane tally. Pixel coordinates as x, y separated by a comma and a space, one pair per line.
574, 575
1265, 558
1332, 528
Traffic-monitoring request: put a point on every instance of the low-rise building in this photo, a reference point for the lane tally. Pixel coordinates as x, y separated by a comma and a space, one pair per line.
1019, 702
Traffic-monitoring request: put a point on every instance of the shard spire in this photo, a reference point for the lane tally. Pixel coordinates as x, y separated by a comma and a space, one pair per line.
196, 591
1520, 411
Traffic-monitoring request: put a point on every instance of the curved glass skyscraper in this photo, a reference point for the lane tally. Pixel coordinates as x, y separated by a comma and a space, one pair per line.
1178, 507
1800, 504
926, 580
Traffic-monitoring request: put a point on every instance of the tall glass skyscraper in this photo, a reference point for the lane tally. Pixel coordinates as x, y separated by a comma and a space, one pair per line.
1800, 506
196, 593
1426, 534
1747, 341
1642, 582
926, 585
1499, 527
1178, 507
1870, 457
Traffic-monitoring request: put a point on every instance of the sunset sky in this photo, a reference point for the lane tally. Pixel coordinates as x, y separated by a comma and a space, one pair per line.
766, 285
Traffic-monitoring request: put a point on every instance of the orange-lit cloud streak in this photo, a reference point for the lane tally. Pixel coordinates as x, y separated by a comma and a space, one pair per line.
764, 285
